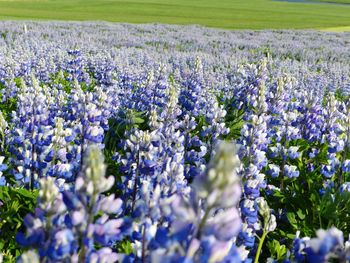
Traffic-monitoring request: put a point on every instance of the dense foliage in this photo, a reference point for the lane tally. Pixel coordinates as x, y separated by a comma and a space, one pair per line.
157, 143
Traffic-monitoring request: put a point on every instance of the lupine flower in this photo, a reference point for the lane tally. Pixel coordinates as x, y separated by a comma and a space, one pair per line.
192, 87
346, 166
69, 224
293, 152
211, 229
329, 245
269, 219
3, 167
3, 126
345, 187
254, 141
291, 171
29, 256
273, 170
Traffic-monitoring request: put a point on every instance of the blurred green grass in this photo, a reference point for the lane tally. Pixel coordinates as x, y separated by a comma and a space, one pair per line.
231, 14
334, 1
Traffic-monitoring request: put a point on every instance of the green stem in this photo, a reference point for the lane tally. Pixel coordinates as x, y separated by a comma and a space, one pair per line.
143, 257
90, 207
203, 221
261, 242
319, 218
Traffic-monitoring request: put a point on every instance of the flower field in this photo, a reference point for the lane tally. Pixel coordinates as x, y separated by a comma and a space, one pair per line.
158, 143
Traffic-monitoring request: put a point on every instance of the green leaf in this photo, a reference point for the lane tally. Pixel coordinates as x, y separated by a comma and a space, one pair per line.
292, 220
290, 236
124, 247
17, 203
277, 251
26, 193
301, 214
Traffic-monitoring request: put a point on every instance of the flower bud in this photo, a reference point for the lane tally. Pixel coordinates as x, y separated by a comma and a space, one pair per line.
29, 257
48, 192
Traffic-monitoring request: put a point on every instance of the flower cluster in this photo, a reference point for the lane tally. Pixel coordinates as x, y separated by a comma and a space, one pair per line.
327, 246
204, 223
68, 225
220, 146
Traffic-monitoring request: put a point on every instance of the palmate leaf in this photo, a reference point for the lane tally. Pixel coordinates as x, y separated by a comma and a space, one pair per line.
124, 247
9, 105
233, 119
335, 211
277, 251
125, 121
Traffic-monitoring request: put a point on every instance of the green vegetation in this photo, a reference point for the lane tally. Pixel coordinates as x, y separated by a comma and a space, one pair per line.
232, 14
337, 29
334, 1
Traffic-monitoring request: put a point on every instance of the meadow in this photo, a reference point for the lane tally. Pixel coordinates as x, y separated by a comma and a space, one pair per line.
230, 14
164, 143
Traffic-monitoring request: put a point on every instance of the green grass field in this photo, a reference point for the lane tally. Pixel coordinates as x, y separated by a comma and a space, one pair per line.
232, 14
334, 1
